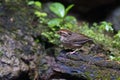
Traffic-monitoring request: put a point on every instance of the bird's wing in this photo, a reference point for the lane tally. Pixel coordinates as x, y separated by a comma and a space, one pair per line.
80, 41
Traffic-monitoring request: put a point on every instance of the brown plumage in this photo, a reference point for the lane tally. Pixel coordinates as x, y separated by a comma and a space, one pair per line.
73, 40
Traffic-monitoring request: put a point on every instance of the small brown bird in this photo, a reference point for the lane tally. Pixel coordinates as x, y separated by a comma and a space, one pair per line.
72, 40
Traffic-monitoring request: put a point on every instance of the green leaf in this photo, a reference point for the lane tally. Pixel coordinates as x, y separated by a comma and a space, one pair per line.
40, 14
38, 4
106, 26
54, 22
68, 8
30, 2
58, 9
70, 19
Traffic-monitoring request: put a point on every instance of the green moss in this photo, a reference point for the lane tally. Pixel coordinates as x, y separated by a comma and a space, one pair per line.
102, 75
1, 53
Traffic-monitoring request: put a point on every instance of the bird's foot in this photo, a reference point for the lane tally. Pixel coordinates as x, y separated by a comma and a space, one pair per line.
73, 52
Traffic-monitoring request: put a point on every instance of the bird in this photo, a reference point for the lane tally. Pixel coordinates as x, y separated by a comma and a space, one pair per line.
73, 40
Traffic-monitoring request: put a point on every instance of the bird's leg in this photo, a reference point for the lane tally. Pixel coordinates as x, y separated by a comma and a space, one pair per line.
73, 51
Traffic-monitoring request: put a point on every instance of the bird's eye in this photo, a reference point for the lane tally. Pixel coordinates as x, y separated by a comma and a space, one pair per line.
64, 34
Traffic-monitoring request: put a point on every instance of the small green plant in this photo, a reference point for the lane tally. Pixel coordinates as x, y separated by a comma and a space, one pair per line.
62, 20
62, 14
38, 10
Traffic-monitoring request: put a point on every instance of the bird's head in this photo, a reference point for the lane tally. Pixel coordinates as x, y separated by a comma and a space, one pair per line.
64, 34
